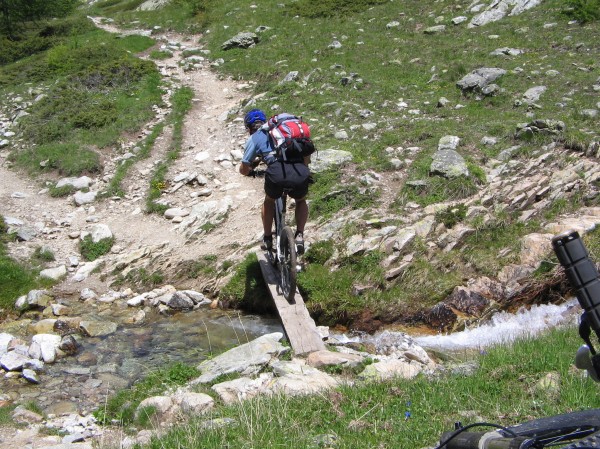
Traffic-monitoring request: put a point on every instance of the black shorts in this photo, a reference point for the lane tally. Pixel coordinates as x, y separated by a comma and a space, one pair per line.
291, 176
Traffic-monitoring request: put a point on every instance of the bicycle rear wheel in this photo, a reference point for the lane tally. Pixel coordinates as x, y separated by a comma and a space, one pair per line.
287, 263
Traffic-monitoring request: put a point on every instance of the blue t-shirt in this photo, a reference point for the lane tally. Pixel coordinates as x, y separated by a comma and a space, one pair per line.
259, 144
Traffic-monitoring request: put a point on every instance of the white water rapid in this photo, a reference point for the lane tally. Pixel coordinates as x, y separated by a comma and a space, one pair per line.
505, 327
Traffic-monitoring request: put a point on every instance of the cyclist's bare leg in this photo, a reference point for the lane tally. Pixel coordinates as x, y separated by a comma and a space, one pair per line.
268, 215
301, 214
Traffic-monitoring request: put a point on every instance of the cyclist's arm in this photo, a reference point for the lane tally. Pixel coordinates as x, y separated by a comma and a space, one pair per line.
250, 155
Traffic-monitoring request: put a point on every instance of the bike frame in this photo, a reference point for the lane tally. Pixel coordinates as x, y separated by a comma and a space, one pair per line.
279, 225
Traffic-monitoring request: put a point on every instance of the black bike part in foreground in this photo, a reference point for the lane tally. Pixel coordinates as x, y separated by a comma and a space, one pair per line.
537, 434
583, 276
287, 264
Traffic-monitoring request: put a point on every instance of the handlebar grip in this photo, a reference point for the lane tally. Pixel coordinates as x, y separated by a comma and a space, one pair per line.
582, 274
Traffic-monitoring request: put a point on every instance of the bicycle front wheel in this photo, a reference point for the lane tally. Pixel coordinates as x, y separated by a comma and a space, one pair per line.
287, 263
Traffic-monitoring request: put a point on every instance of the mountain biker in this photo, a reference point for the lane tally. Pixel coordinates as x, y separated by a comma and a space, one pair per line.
280, 174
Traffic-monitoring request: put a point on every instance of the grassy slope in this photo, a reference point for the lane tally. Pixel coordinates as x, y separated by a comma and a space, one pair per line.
504, 389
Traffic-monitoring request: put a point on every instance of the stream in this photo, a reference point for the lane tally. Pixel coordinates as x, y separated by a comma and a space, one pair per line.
105, 365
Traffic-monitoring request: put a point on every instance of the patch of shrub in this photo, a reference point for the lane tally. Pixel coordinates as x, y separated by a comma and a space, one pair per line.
583, 10
452, 215
121, 407
68, 159
320, 252
329, 8
246, 289
91, 250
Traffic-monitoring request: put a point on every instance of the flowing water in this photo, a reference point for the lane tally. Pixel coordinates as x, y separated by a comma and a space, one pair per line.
504, 327
104, 365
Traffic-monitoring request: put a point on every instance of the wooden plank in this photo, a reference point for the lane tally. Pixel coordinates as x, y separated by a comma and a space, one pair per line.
299, 327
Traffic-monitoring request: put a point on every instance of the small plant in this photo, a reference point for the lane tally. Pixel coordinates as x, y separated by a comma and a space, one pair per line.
122, 406
160, 55
139, 277
91, 250
451, 215
320, 252
59, 192
43, 254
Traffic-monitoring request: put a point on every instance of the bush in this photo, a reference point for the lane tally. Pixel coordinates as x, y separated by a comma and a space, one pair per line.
583, 10
68, 159
122, 406
451, 215
91, 250
328, 8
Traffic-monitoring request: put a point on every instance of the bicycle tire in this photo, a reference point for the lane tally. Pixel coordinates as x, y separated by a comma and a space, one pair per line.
537, 433
287, 263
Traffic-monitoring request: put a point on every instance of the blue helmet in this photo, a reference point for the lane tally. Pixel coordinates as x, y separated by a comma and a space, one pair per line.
253, 116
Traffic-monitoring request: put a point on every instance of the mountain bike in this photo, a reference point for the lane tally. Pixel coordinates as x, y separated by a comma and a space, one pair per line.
282, 253
570, 430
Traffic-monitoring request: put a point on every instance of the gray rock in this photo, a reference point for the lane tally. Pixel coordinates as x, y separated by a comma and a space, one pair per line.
98, 328
478, 79
507, 154
5, 340
13, 361
448, 143
55, 273
290, 77
246, 359
533, 94
81, 198
506, 51
30, 376
448, 163
26, 233
327, 159
78, 183
46, 345
435, 29
241, 40
499, 9
100, 232
176, 212
319, 359
458, 20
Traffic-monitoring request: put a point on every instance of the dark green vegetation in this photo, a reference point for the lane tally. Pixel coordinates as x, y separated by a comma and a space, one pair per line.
17, 278
121, 407
17, 14
182, 103
374, 414
91, 250
583, 10
88, 89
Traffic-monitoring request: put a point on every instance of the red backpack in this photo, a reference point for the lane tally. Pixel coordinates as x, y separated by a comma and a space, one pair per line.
291, 137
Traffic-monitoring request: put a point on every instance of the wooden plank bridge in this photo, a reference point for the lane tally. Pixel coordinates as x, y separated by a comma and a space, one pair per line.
299, 327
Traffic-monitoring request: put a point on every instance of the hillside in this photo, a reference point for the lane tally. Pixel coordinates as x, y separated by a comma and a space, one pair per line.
521, 137
455, 139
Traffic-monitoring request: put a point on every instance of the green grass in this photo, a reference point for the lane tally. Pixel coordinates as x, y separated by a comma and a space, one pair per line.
91, 250
16, 278
246, 289
122, 406
182, 103
78, 65
502, 390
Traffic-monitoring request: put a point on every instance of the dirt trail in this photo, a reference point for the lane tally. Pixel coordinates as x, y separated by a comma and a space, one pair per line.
205, 131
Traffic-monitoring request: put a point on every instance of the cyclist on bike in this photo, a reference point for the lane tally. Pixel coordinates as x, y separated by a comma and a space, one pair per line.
293, 176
